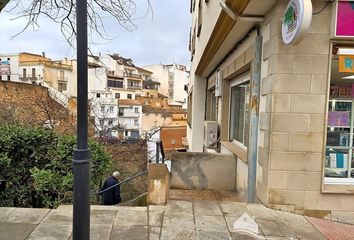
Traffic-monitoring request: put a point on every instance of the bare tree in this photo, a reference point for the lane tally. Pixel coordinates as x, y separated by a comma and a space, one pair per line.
63, 12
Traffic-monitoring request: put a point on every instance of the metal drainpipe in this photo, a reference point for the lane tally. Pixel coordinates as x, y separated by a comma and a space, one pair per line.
82, 155
254, 120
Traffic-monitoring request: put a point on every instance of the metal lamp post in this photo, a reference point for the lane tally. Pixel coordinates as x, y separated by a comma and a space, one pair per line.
82, 155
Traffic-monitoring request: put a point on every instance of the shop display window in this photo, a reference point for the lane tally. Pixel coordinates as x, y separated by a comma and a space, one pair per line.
339, 157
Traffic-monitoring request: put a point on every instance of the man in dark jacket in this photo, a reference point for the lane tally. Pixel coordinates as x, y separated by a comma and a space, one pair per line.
111, 196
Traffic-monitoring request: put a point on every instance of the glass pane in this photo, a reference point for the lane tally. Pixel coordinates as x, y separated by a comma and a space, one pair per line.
336, 163
338, 137
239, 123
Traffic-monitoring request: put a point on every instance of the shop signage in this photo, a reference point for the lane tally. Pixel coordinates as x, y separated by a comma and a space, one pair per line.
346, 63
297, 21
345, 19
4, 68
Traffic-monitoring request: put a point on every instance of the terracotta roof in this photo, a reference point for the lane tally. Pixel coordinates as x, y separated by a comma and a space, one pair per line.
123, 61
128, 102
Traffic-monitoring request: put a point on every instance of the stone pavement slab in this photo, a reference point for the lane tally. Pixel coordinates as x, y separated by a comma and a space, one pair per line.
102, 217
178, 207
131, 217
51, 232
26, 215
178, 220
15, 231
5, 211
207, 208
129, 232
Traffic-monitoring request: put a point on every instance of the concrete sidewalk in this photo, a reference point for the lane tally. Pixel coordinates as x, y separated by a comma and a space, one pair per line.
182, 220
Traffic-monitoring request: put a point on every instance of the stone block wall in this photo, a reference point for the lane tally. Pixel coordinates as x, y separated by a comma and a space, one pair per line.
292, 120
31, 105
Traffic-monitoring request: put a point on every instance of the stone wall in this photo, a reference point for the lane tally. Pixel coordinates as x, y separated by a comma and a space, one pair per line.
31, 104
292, 120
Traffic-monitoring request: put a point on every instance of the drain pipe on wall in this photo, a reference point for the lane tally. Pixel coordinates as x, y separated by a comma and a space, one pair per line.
252, 150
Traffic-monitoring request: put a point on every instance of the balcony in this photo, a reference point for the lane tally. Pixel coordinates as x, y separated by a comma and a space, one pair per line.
134, 87
129, 114
133, 75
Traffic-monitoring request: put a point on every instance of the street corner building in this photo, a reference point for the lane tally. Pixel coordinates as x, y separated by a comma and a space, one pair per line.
274, 80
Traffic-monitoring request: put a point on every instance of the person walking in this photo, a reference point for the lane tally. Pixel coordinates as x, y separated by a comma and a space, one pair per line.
112, 195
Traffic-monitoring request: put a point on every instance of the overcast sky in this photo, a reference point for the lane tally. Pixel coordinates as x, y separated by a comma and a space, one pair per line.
162, 36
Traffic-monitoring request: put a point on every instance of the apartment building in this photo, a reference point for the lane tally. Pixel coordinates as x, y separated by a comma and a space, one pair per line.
130, 118
172, 79
276, 77
36, 69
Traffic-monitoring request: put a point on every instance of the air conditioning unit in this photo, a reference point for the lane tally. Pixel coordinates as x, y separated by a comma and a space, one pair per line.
210, 134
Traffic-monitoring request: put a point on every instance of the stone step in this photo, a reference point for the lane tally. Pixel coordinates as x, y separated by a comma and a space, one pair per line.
197, 195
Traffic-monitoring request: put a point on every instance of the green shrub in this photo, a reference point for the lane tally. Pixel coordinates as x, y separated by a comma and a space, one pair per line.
36, 165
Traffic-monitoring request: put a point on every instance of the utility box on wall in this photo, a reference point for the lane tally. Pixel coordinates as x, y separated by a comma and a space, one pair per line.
210, 134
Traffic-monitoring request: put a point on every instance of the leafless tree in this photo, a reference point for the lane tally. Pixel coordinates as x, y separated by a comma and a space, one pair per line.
63, 12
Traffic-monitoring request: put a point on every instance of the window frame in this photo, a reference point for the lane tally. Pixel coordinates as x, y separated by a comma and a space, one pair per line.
239, 80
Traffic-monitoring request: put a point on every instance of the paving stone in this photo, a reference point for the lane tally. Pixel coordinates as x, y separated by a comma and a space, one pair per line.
154, 233
51, 232
306, 232
104, 207
130, 208
178, 207
15, 231
212, 235
156, 208
214, 223
234, 209
4, 212
129, 232
131, 217
172, 233
61, 217
261, 212
286, 230
155, 218
102, 217
178, 221
245, 236
269, 228
207, 208
27, 215
291, 218
100, 232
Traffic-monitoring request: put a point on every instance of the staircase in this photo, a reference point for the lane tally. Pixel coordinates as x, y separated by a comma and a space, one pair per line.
57, 96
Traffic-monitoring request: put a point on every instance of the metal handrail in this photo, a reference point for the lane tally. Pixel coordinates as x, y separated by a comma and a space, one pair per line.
119, 183
159, 148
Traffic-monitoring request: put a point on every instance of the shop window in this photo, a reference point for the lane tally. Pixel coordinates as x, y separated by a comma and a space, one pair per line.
339, 162
239, 109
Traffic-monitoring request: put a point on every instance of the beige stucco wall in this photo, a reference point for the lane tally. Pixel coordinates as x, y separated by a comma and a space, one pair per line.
148, 121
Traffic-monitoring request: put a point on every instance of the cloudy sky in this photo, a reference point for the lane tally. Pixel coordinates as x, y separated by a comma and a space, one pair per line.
160, 37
